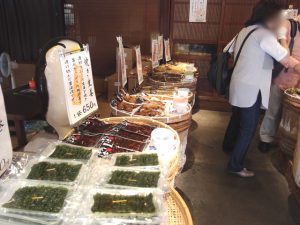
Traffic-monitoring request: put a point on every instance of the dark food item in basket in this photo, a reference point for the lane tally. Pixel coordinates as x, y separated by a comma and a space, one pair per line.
94, 126
134, 179
137, 160
106, 203
69, 152
128, 144
54, 171
132, 135
38, 198
139, 129
83, 139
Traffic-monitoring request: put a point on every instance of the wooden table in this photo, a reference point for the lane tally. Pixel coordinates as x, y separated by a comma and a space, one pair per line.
21, 106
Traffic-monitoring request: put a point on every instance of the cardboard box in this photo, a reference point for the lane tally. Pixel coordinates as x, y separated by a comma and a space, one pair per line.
112, 85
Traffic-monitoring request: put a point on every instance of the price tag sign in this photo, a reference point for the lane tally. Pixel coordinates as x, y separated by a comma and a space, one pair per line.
78, 85
154, 51
167, 50
5, 141
139, 66
122, 61
160, 47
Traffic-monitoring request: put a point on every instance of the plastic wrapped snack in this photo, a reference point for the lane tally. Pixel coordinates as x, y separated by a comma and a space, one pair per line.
55, 171
82, 139
129, 160
124, 203
67, 152
33, 198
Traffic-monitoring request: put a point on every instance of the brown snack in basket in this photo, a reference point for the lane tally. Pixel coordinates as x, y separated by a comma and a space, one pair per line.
82, 139
94, 126
132, 135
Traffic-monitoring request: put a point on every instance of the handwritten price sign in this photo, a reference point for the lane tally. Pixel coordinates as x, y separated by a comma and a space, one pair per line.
5, 141
78, 85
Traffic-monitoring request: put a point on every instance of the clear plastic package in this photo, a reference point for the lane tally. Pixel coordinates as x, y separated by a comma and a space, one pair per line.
128, 178
138, 204
49, 206
72, 152
54, 171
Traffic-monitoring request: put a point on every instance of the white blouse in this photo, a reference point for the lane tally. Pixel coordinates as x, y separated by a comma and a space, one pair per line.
253, 71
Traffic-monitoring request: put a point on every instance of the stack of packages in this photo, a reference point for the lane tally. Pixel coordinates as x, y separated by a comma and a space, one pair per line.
69, 184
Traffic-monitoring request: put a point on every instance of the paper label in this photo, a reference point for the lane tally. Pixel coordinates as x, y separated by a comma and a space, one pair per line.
160, 47
154, 51
198, 10
139, 66
122, 61
5, 141
78, 85
167, 50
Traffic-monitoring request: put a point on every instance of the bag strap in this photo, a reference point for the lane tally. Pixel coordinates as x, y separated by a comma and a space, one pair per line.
243, 43
294, 30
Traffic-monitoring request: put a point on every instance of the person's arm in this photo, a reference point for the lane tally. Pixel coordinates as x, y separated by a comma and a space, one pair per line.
272, 47
283, 36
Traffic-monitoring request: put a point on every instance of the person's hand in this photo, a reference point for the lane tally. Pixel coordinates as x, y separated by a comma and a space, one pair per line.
297, 68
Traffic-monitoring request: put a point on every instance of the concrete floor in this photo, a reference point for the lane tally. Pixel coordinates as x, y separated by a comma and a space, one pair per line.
216, 198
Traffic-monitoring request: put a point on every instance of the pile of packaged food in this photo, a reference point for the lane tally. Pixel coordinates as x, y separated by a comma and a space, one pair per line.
86, 184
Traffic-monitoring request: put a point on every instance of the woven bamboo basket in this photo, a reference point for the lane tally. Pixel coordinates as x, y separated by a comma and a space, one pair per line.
178, 212
289, 124
183, 84
163, 91
164, 119
174, 164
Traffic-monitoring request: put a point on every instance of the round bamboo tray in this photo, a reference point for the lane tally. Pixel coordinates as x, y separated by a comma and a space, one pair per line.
178, 212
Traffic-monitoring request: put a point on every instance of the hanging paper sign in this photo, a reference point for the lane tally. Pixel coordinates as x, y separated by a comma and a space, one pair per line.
139, 66
160, 47
5, 141
78, 85
167, 50
154, 51
122, 62
198, 10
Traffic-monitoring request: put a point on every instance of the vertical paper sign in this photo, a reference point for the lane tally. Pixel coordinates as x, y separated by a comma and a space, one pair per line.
160, 47
79, 85
5, 141
154, 51
122, 62
167, 50
139, 66
198, 10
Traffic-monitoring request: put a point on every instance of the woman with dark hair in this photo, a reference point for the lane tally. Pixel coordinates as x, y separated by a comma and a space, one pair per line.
251, 79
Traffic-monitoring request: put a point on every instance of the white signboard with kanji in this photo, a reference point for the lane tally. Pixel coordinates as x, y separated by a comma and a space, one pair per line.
5, 141
78, 85
154, 51
167, 50
139, 66
198, 10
